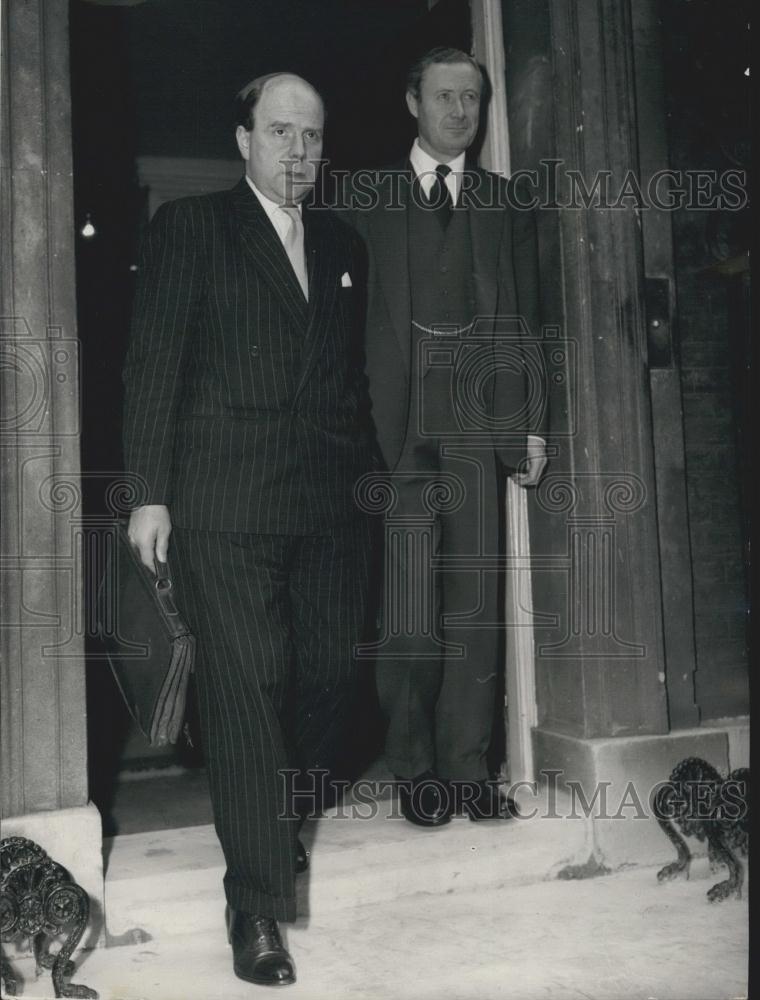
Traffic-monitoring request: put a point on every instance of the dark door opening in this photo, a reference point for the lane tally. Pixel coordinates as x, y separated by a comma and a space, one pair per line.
158, 80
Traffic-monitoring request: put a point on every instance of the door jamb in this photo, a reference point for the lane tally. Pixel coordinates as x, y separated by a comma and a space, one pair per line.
520, 669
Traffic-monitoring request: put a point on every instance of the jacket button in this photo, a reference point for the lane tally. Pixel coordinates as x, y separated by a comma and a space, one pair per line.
254, 351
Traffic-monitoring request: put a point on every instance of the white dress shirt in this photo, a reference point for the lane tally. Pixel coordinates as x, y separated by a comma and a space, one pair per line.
292, 241
279, 219
424, 167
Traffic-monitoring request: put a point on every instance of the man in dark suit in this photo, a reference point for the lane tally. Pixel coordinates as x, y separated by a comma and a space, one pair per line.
243, 394
452, 307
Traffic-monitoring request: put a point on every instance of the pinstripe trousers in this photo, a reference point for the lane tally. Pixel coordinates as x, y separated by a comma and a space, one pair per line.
276, 618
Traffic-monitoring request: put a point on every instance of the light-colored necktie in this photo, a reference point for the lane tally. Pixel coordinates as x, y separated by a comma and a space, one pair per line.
294, 246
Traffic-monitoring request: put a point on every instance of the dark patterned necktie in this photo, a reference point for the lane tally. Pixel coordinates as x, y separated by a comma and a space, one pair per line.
439, 197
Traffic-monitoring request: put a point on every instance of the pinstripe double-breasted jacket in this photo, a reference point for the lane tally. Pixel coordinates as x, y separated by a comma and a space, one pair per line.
244, 403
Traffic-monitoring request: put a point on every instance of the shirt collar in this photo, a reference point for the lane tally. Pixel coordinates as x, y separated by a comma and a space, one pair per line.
269, 206
423, 162
424, 166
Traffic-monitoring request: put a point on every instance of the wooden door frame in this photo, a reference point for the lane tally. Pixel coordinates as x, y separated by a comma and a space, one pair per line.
520, 670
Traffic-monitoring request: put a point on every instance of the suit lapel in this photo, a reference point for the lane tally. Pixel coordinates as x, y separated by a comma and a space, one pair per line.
323, 268
486, 224
390, 243
265, 251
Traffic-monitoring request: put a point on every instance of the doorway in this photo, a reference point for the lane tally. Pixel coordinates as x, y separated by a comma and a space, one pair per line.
151, 93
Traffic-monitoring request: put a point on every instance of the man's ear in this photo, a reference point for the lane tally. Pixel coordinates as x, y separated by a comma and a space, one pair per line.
244, 141
411, 103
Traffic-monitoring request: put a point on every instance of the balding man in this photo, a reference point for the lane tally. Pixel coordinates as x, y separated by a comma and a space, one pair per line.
242, 416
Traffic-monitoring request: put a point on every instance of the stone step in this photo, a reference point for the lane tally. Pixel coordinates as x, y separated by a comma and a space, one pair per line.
625, 936
170, 881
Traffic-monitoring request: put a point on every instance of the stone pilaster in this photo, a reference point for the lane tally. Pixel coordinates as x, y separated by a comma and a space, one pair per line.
611, 568
600, 665
43, 767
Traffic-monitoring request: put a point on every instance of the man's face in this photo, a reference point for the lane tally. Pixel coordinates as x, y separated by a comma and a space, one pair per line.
448, 109
283, 149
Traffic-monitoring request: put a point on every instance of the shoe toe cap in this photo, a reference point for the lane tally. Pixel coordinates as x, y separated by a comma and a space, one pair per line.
277, 970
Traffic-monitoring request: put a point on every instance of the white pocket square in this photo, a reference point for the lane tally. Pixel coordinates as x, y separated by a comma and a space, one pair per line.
345, 280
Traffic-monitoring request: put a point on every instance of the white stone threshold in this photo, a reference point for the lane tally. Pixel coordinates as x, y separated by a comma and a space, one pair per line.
622, 937
465, 912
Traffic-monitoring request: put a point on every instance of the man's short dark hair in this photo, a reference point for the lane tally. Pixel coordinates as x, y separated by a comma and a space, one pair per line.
247, 98
434, 57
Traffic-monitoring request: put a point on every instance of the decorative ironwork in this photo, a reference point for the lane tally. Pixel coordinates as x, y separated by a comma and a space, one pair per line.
40, 900
704, 805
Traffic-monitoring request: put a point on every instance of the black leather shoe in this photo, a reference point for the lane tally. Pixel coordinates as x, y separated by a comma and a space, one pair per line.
302, 858
258, 954
480, 800
424, 800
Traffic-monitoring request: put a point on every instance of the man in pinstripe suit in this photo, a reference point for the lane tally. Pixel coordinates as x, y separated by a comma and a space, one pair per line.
242, 416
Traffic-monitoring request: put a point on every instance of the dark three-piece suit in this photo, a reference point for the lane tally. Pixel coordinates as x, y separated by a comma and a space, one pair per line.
455, 380
243, 414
